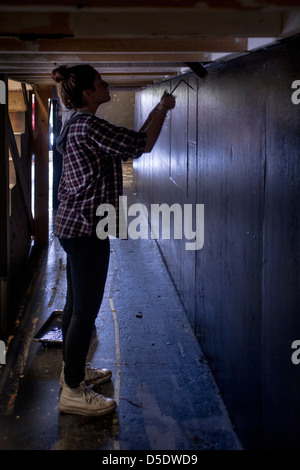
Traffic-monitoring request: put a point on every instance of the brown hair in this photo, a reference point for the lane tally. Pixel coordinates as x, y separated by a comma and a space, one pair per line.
72, 81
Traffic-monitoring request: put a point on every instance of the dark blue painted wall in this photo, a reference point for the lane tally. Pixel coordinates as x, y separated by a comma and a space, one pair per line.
233, 145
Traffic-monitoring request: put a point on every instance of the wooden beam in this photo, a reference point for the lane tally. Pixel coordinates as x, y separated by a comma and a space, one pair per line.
16, 101
4, 213
19, 174
15, 60
111, 77
28, 116
241, 5
110, 68
130, 46
41, 151
140, 22
104, 3
40, 81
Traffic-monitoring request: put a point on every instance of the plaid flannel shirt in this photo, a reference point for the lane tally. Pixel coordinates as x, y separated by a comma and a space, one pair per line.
92, 172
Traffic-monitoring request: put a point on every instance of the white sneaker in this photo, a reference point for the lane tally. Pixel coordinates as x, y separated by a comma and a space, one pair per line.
92, 376
84, 401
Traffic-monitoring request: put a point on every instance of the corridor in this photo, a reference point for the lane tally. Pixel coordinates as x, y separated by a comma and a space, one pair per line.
167, 398
200, 327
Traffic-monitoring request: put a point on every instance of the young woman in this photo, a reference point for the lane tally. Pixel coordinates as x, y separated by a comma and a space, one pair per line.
93, 150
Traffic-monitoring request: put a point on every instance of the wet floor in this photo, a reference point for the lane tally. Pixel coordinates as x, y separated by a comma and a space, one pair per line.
167, 398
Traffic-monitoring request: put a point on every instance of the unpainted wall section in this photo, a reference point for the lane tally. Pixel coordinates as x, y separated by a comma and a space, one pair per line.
19, 181
233, 144
20, 234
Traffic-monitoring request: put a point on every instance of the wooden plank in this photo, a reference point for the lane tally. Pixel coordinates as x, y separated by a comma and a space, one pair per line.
242, 4
121, 79
19, 174
107, 3
125, 22
4, 214
17, 59
16, 101
41, 144
28, 116
129, 46
130, 76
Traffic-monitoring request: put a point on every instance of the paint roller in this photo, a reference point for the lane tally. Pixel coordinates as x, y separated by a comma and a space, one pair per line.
197, 68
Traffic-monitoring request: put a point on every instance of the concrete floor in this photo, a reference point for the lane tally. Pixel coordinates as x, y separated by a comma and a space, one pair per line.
167, 398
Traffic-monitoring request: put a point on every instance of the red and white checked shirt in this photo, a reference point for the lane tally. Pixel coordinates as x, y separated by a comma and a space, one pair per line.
92, 172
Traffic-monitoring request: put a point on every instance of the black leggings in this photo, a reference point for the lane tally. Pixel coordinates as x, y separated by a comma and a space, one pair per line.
87, 266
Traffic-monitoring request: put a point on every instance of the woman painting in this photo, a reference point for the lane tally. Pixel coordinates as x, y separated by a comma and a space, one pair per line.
93, 150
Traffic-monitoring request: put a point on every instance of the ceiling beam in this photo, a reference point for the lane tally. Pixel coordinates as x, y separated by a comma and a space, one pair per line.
141, 4
116, 70
9, 57
124, 46
135, 42
31, 62
134, 77
125, 22
115, 80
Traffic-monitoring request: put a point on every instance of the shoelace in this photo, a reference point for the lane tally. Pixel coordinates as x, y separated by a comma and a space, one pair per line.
92, 396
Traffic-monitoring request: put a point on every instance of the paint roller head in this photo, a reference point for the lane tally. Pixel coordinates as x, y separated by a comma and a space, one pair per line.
197, 68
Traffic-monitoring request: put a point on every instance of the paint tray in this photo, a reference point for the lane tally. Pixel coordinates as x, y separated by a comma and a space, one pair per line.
51, 332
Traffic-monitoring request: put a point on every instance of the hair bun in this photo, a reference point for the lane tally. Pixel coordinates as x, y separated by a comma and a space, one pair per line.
60, 73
